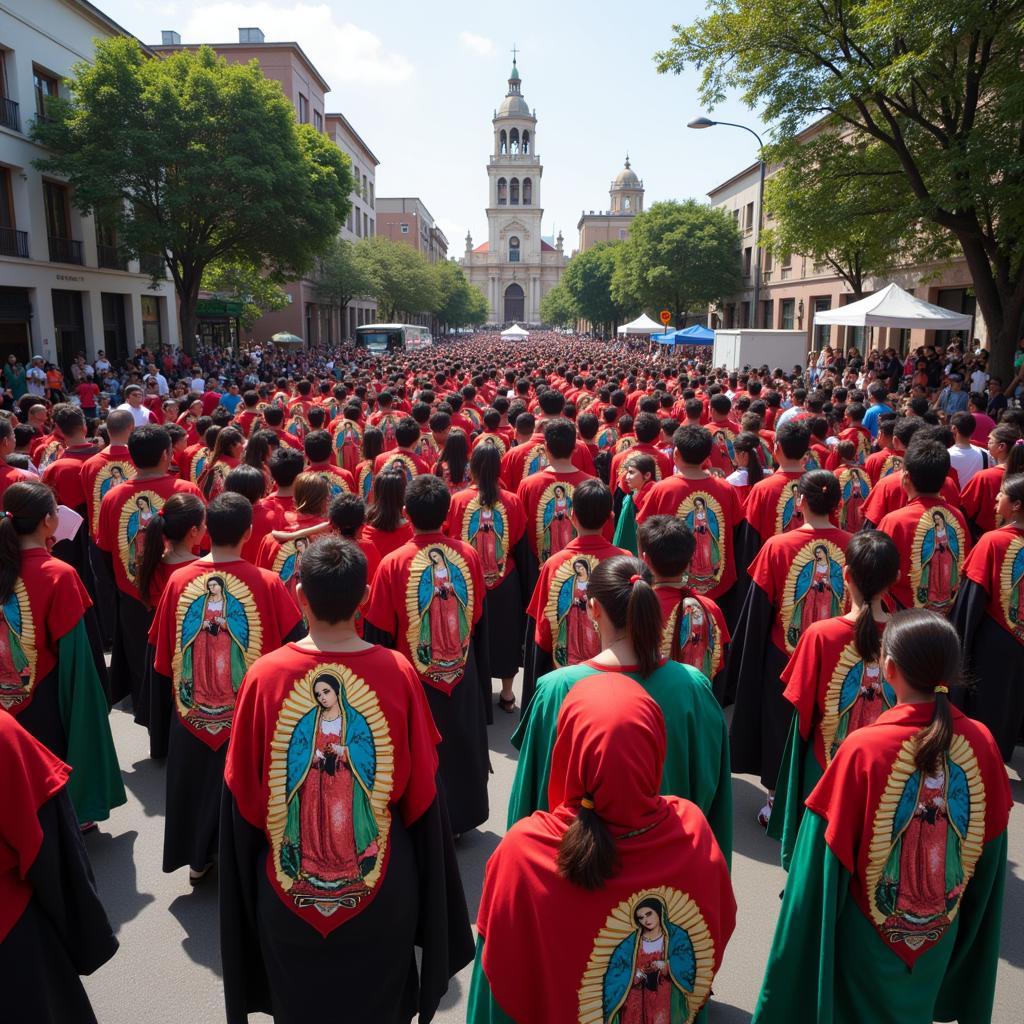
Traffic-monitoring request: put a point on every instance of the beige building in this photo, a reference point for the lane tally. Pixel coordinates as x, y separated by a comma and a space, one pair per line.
626, 196
793, 289
64, 286
406, 219
515, 267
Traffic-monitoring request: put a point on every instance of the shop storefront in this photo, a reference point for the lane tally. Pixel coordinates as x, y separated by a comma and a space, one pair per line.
217, 323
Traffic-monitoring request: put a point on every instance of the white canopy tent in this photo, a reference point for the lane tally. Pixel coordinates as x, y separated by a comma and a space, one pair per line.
894, 307
515, 333
643, 324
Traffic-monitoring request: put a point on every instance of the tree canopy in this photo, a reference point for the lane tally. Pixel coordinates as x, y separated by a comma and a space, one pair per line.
403, 280
679, 256
342, 274
460, 303
588, 283
242, 282
936, 82
557, 308
196, 160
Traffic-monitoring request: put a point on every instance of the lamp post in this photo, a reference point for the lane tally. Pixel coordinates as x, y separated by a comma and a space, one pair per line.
706, 122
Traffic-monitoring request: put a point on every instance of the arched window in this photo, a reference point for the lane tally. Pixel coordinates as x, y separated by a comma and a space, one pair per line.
513, 250
503, 142
526, 141
513, 141
625, 202
513, 192
527, 191
502, 192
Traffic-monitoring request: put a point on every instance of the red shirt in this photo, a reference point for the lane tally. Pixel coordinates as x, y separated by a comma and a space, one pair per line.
978, 498
65, 475
662, 463
694, 631
268, 514
493, 532
771, 504
386, 541
712, 509
888, 495
410, 462
339, 480
547, 504
932, 553
108, 468
881, 464
994, 562
87, 392
9, 475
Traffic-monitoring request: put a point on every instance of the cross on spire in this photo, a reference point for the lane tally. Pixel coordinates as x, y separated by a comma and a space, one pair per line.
515, 50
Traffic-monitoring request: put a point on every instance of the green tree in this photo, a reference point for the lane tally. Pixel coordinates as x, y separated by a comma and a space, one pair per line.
834, 203
679, 256
937, 82
240, 281
459, 302
404, 281
588, 282
557, 308
197, 160
342, 274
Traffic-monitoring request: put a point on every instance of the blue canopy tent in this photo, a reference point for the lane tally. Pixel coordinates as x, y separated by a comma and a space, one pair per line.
695, 335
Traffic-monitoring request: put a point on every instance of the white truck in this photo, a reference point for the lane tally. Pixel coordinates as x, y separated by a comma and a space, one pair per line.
736, 347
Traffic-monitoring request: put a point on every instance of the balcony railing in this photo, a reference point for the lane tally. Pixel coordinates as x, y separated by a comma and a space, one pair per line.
110, 257
152, 264
66, 250
9, 114
13, 243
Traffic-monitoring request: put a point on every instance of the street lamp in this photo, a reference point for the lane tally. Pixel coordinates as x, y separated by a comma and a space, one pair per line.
706, 122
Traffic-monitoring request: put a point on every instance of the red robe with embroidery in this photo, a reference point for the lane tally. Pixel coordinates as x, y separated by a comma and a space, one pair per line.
888, 495
694, 630
475, 525
881, 463
108, 468
770, 507
548, 511
978, 498
528, 458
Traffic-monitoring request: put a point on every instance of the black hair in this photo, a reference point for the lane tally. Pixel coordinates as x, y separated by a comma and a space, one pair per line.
926, 463
285, 465
26, 504
693, 444
647, 427
181, 513
68, 418
333, 578
455, 456
794, 438
905, 428
147, 444
485, 466
247, 481
407, 432
228, 516
560, 438
623, 587
668, 544
926, 649
591, 503
427, 502
373, 442
273, 416
551, 402
821, 490
347, 513
387, 498
751, 444
318, 446
873, 561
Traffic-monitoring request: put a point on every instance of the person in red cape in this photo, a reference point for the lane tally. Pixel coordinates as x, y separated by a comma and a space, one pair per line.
275, 510
647, 428
854, 486
216, 616
51, 679
637, 881
492, 520
560, 632
435, 584
888, 459
335, 845
989, 616
402, 453
317, 444
53, 927
125, 513
796, 580
978, 498
694, 630
225, 456
834, 681
932, 537
705, 503
387, 527
893, 902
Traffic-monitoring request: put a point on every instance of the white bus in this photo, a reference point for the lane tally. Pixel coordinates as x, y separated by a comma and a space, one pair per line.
381, 338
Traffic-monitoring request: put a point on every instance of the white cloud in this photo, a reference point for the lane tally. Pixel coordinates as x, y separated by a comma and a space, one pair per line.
479, 45
341, 51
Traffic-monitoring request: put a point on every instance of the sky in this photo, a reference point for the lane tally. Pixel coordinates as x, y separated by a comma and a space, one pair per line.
420, 83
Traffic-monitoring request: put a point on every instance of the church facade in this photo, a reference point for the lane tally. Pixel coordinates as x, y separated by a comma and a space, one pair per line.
515, 268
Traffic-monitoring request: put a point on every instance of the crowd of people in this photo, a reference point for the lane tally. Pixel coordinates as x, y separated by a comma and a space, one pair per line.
315, 577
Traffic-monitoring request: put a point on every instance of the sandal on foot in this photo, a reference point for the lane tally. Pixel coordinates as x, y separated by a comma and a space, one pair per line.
765, 814
507, 704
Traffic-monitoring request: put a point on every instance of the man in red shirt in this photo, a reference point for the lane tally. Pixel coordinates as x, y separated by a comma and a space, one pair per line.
319, 452
406, 436
276, 511
87, 393
274, 419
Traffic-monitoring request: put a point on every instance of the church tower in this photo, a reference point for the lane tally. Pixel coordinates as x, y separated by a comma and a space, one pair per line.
515, 267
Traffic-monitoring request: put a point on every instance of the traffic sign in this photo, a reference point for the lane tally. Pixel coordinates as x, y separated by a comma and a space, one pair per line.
665, 316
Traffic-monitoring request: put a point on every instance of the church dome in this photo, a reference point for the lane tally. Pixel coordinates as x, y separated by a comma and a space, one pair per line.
626, 178
514, 105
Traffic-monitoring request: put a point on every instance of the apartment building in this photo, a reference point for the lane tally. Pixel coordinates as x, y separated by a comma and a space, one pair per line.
65, 287
406, 219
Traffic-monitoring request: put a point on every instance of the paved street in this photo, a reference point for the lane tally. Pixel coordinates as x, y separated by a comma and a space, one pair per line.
168, 967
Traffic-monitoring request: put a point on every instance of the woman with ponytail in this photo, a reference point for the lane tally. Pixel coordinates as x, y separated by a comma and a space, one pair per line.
894, 897
373, 445
615, 873
834, 681
626, 614
48, 674
226, 454
493, 521
989, 616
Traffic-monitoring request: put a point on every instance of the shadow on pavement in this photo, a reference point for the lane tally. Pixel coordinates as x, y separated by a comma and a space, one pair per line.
113, 863
748, 838
196, 912
453, 996
473, 851
146, 782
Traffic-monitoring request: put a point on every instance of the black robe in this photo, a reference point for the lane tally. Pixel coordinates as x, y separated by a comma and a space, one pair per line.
461, 717
106, 593
536, 663
760, 721
504, 612
363, 971
63, 933
994, 668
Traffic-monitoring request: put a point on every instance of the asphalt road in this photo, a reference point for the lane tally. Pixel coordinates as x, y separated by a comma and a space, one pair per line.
168, 967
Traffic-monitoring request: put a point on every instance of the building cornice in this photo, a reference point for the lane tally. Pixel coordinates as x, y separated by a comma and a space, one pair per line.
355, 135
291, 46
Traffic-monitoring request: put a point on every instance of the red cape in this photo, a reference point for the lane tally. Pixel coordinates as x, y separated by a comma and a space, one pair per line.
996, 564
464, 523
